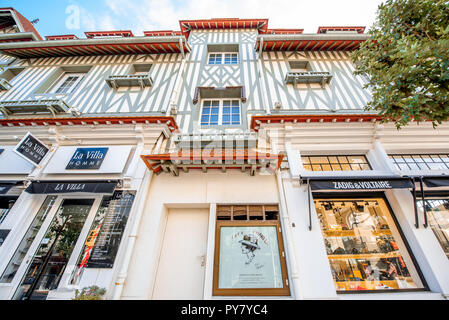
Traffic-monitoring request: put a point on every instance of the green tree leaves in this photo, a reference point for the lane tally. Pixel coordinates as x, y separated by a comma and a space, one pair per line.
406, 59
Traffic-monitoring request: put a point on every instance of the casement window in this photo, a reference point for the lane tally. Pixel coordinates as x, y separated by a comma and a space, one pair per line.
67, 83
220, 112
223, 58
437, 210
420, 161
336, 163
364, 245
249, 253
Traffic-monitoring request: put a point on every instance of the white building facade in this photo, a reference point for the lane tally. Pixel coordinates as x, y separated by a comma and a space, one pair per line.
225, 160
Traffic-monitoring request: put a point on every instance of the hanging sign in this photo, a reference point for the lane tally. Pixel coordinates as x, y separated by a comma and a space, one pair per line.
355, 184
3, 234
31, 149
87, 158
1, 151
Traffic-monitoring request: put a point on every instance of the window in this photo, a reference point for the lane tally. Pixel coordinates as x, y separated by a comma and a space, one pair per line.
438, 218
223, 58
30, 235
249, 253
420, 161
335, 163
364, 247
67, 83
220, 112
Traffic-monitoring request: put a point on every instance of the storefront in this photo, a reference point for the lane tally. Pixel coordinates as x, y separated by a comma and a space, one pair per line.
75, 234
366, 248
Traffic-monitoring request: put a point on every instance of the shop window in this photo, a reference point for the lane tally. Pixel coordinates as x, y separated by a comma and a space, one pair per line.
420, 161
336, 163
27, 240
220, 112
104, 238
249, 252
365, 248
438, 219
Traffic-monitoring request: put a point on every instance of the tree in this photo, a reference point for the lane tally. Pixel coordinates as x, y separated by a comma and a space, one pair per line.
406, 60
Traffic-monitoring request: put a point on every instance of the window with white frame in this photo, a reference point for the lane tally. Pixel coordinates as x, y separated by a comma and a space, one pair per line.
223, 58
220, 112
67, 83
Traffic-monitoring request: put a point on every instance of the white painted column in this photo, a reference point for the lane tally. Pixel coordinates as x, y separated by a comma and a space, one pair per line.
209, 274
116, 287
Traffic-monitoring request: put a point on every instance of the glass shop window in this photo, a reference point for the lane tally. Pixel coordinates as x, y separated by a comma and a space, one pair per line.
438, 219
420, 161
364, 246
336, 163
105, 235
249, 253
27, 240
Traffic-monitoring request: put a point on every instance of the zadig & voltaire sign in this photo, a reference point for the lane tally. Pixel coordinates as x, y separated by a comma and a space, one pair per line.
353, 184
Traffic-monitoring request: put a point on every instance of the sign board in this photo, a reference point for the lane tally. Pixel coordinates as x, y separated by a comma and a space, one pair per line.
72, 186
31, 149
87, 158
361, 184
111, 231
1, 151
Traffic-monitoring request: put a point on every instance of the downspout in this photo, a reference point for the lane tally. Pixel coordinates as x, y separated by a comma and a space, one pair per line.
261, 77
289, 241
140, 201
175, 93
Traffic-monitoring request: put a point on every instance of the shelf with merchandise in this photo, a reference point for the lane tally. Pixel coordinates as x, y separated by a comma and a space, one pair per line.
353, 233
374, 255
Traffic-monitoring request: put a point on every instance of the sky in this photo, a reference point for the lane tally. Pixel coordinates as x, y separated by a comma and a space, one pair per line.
58, 17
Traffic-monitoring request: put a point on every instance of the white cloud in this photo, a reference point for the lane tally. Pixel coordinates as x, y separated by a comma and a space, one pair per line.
145, 15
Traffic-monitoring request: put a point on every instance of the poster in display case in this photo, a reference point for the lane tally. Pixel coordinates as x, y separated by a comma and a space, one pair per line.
249, 260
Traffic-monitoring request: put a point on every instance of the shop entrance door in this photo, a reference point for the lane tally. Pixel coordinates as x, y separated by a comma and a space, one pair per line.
182, 261
54, 252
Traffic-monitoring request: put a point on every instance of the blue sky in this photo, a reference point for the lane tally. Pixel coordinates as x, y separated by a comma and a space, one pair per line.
58, 17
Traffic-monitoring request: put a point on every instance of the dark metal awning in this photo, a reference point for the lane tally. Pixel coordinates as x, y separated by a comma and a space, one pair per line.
358, 183
5, 186
52, 187
346, 183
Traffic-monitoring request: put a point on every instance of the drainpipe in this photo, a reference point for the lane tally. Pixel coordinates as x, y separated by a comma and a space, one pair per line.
286, 225
140, 202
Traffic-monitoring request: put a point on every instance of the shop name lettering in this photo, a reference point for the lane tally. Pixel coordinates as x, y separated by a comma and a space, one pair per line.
70, 186
33, 149
362, 185
92, 158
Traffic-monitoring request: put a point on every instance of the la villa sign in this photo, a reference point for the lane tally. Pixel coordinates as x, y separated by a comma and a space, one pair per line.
31, 149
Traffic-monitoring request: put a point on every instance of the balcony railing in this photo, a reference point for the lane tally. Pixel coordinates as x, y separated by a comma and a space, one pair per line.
321, 77
129, 80
36, 107
4, 84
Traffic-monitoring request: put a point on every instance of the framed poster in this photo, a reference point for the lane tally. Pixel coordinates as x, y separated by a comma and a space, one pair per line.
249, 259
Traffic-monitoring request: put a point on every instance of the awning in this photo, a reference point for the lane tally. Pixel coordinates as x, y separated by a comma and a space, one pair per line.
51, 187
5, 186
361, 183
434, 182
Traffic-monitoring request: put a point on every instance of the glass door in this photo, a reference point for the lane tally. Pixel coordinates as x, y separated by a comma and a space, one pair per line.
50, 260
